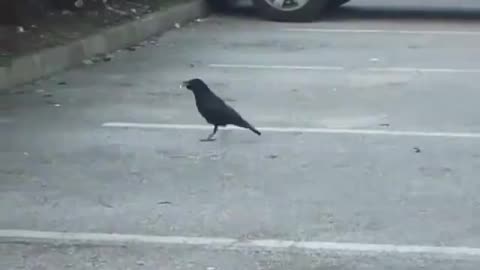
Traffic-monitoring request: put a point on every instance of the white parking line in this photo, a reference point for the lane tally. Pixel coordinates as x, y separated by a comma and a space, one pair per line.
384, 31
424, 70
338, 68
24, 236
333, 68
470, 135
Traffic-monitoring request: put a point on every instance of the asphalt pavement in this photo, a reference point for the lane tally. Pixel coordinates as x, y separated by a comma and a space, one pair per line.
368, 157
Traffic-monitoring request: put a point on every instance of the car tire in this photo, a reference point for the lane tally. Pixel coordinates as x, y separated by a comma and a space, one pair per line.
334, 4
219, 5
308, 12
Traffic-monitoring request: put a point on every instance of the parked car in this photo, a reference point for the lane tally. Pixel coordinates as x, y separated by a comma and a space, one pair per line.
286, 10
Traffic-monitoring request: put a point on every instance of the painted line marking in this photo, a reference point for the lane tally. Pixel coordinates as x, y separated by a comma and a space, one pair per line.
470, 135
384, 31
333, 68
25, 236
338, 68
424, 70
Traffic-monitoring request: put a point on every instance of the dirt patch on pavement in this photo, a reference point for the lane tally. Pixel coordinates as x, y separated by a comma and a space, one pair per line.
62, 26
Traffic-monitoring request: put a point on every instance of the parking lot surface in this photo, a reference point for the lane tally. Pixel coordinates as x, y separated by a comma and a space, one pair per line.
369, 157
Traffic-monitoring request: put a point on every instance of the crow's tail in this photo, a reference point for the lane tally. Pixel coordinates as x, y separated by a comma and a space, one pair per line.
254, 130
247, 125
243, 123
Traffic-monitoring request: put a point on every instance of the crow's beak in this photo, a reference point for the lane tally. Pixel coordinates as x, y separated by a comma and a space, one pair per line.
184, 84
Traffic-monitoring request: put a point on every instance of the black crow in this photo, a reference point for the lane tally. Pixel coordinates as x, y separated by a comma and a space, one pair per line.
214, 109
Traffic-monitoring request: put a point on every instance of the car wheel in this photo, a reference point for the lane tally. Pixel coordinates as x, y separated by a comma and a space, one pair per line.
290, 10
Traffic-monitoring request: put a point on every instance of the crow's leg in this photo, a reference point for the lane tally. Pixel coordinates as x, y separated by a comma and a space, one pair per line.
210, 137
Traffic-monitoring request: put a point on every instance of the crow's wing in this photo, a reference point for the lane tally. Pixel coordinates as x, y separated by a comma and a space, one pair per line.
217, 112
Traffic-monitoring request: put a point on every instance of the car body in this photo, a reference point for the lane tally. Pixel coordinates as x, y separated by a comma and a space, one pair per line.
285, 10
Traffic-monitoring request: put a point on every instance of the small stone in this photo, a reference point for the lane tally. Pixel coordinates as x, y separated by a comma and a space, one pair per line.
87, 62
20, 29
177, 25
104, 203
108, 57
79, 3
164, 202
96, 59
140, 262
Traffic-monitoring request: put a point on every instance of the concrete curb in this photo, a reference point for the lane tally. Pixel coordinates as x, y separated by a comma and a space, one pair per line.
49, 61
